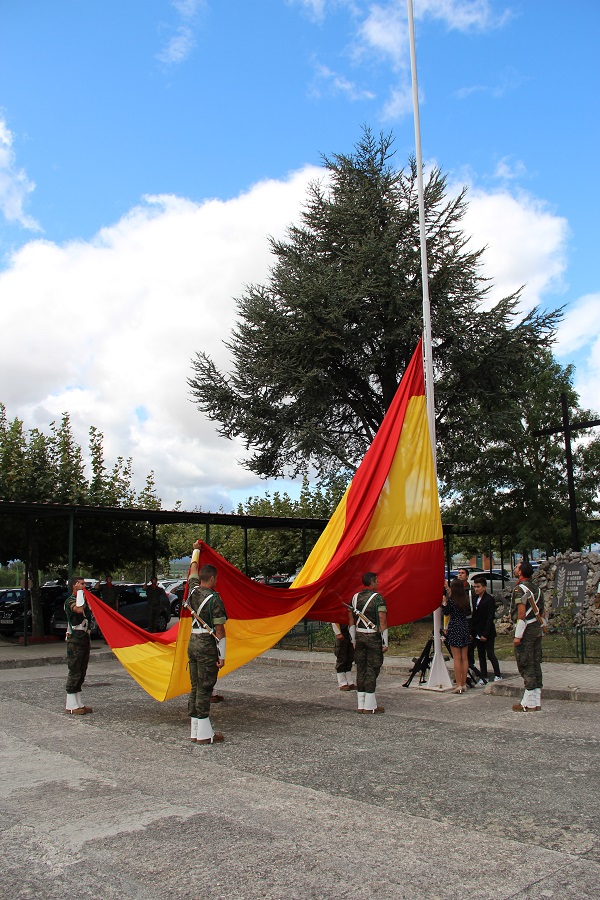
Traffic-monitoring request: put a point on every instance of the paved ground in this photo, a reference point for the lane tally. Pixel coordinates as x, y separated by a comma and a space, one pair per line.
444, 796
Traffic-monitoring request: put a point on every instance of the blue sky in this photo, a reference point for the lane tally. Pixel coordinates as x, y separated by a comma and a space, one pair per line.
147, 149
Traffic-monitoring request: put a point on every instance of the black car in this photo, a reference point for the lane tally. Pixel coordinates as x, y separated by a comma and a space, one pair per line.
12, 608
133, 605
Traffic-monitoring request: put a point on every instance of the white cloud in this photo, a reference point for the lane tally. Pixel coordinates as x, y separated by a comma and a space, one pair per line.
508, 170
526, 243
382, 33
399, 103
332, 82
462, 15
116, 321
508, 82
182, 42
14, 183
315, 8
579, 342
385, 31
187, 9
580, 326
178, 47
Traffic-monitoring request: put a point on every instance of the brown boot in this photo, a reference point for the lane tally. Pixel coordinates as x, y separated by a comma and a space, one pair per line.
215, 739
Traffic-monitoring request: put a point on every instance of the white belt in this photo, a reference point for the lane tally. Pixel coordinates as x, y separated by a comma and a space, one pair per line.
366, 630
200, 631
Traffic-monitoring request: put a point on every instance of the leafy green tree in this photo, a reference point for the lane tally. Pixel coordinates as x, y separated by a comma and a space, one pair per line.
270, 551
278, 551
49, 468
319, 350
514, 483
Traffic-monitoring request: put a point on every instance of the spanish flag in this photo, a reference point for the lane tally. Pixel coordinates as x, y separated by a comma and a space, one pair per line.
388, 522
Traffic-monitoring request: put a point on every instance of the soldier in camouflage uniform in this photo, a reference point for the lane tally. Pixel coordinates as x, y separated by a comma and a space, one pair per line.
154, 593
79, 617
344, 657
368, 615
206, 649
528, 637
109, 593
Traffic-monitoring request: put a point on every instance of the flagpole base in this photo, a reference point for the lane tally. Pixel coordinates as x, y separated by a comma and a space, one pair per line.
439, 678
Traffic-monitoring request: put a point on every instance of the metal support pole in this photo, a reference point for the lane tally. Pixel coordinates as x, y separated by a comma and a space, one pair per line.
439, 679
570, 478
70, 559
502, 561
245, 551
207, 533
154, 549
27, 605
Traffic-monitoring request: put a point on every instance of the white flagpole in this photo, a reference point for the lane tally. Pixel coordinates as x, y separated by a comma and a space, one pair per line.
439, 678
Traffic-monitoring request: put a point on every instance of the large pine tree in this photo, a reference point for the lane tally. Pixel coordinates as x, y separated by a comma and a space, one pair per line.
319, 350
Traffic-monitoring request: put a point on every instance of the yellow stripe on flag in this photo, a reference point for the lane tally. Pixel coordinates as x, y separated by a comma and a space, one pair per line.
248, 638
321, 553
407, 511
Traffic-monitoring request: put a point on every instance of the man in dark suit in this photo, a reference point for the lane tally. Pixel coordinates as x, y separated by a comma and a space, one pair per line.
483, 628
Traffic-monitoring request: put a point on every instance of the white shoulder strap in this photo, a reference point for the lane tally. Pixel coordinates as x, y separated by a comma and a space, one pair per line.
368, 601
204, 602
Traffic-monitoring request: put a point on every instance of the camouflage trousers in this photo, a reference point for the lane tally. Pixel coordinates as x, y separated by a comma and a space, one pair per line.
368, 655
344, 653
529, 656
202, 656
153, 611
78, 657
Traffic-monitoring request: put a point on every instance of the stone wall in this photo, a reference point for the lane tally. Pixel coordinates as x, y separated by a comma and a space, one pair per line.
545, 576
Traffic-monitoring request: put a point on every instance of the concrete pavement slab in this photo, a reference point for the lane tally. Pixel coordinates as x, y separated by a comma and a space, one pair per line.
444, 796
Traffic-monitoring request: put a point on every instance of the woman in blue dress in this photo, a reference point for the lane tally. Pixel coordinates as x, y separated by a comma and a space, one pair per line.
458, 632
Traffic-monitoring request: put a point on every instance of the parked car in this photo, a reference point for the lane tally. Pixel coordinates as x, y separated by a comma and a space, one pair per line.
133, 605
471, 570
494, 581
499, 571
175, 595
12, 608
280, 581
168, 583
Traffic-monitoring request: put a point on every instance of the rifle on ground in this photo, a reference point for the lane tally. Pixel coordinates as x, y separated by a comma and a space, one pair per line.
421, 664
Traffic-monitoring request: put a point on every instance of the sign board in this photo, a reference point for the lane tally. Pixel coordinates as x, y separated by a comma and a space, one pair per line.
569, 583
